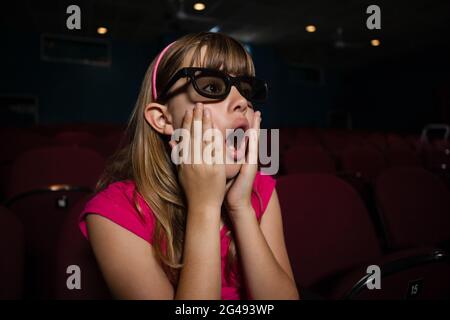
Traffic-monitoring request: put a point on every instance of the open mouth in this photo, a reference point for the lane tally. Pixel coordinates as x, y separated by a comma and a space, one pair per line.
236, 143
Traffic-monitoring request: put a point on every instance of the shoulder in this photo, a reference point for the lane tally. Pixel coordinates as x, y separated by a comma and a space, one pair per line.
122, 204
263, 187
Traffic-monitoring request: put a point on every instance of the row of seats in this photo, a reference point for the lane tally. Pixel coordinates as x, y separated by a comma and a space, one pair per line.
48, 186
44, 171
45, 183
329, 235
331, 240
14, 147
359, 154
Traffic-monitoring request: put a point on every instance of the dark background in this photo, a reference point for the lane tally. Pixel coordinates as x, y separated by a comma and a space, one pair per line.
400, 85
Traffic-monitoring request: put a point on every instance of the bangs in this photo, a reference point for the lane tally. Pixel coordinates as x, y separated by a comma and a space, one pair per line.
223, 53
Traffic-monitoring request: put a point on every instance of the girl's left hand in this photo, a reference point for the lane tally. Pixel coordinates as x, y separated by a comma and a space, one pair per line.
238, 197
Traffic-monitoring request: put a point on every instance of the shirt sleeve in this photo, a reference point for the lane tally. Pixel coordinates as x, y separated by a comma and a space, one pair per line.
264, 186
116, 203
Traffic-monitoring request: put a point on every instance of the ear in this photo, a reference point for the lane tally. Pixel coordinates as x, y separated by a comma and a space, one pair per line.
158, 116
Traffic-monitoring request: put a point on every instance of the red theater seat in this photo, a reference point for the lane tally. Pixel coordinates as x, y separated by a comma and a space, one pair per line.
364, 162
42, 167
74, 249
74, 138
415, 207
331, 242
307, 138
45, 184
378, 140
12, 144
12, 250
327, 228
288, 138
337, 140
307, 159
400, 153
107, 144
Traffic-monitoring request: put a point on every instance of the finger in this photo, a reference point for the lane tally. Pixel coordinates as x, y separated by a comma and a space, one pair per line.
197, 133
218, 145
187, 120
254, 140
207, 122
207, 126
186, 125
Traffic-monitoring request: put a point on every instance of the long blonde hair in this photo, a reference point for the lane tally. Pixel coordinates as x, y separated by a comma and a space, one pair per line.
144, 154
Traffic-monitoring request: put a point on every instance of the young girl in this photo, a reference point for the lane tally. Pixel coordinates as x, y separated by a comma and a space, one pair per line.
190, 231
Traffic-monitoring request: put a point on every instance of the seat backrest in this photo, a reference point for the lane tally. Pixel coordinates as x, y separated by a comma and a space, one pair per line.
362, 161
74, 138
307, 159
42, 167
12, 253
14, 143
414, 205
74, 250
42, 215
327, 227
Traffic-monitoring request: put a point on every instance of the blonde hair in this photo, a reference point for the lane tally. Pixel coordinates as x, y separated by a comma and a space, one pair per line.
144, 154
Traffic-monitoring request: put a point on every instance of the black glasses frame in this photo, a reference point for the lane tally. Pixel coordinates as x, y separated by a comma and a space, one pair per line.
228, 80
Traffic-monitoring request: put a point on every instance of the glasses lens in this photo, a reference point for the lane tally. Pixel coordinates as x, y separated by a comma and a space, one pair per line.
253, 89
211, 85
246, 89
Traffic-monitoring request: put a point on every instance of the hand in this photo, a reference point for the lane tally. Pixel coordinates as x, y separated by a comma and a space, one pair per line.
238, 196
203, 182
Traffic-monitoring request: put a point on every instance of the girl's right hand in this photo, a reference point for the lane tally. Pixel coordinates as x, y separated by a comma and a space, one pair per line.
204, 182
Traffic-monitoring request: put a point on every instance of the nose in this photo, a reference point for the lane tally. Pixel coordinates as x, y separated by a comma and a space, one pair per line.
237, 101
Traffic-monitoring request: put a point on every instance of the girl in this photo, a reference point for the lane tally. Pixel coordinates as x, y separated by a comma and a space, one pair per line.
190, 231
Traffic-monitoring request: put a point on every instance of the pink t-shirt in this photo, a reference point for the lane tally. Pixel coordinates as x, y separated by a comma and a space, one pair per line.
116, 203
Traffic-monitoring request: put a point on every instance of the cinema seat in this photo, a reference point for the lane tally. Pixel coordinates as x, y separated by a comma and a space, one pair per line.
400, 153
327, 228
378, 140
288, 138
307, 159
74, 249
364, 162
12, 250
42, 167
307, 138
12, 144
74, 138
331, 241
107, 144
436, 158
45, 183
415, 207
337, 140
420, 274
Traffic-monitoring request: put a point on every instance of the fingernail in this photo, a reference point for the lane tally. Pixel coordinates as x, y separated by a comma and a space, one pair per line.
207, 114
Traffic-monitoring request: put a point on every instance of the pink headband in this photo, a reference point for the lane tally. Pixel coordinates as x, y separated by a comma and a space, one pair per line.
155, 70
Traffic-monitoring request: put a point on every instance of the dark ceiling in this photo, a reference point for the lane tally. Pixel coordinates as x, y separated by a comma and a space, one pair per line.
407, 26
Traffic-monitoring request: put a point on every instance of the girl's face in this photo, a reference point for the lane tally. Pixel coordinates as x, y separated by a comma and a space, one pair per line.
231, 113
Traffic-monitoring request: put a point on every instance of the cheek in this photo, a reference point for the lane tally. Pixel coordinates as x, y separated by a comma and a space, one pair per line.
177, 110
